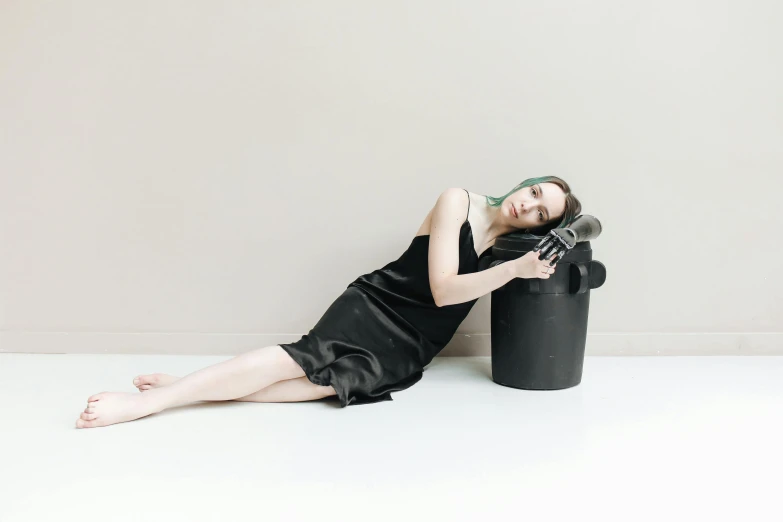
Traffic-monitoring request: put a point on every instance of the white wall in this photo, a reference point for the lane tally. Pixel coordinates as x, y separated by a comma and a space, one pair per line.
154, 158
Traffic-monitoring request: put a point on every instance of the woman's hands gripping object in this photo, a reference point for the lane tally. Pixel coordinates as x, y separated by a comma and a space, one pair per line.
540, 262
557, 243
531, 266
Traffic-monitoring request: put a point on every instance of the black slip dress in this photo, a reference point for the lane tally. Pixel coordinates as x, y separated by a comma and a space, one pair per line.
379, 334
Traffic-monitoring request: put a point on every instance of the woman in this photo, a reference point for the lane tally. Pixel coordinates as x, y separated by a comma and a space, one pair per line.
378, 336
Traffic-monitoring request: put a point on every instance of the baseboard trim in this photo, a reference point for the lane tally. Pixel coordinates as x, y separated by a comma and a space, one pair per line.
175, 343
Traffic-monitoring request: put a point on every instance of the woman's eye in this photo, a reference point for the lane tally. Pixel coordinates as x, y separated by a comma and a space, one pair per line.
533, 191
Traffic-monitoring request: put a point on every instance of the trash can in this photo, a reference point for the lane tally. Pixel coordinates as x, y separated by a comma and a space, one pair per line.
539, 326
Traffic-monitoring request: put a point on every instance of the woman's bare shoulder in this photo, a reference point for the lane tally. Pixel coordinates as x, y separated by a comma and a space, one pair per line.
425, 227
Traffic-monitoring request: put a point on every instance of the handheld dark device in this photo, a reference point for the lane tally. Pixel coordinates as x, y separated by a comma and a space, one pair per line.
560, 240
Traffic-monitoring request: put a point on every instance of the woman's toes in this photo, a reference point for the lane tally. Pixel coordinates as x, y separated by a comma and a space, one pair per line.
116, 407
153, 380
81, 423
95, 397
145, 380
149, 378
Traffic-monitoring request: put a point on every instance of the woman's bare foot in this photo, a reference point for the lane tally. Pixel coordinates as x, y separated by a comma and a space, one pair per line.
108, 408
153, 380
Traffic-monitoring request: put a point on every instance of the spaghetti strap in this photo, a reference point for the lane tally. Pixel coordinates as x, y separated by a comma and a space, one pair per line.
468, 193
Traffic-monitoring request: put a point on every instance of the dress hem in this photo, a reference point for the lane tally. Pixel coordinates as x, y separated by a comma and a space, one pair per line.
329, 380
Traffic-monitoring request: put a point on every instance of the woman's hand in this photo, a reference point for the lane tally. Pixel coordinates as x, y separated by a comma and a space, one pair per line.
530, 266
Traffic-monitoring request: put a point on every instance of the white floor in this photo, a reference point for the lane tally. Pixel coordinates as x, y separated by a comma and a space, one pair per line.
641, 438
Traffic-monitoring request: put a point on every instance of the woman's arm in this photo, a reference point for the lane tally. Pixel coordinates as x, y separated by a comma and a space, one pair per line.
465, 287
447, 287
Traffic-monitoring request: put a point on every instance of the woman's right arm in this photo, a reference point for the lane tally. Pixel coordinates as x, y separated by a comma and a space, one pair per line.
466, 287
449, 288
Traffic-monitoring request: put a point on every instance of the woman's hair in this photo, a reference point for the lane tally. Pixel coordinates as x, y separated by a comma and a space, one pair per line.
572, 205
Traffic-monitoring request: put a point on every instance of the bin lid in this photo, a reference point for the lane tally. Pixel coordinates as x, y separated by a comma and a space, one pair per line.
517, 244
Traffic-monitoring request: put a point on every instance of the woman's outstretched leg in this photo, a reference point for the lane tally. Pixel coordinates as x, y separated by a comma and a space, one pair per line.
290, 390
227, 380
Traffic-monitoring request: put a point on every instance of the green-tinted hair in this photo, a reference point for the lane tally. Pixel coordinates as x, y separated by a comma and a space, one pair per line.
572, 205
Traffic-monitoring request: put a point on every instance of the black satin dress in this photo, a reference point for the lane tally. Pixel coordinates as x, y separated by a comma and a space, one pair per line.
378, 336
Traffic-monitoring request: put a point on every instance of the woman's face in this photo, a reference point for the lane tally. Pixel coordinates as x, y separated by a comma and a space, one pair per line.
535, 206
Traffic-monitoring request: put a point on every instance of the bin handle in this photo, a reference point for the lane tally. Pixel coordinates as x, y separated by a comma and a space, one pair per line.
580, 278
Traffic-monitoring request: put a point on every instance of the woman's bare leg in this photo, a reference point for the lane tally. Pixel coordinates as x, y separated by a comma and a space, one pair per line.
237, 377
290, 390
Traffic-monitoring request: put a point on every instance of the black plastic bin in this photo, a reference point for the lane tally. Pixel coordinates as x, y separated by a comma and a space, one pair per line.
539, 326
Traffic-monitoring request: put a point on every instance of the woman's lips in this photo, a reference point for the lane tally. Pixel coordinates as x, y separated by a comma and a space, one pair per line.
514, 210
